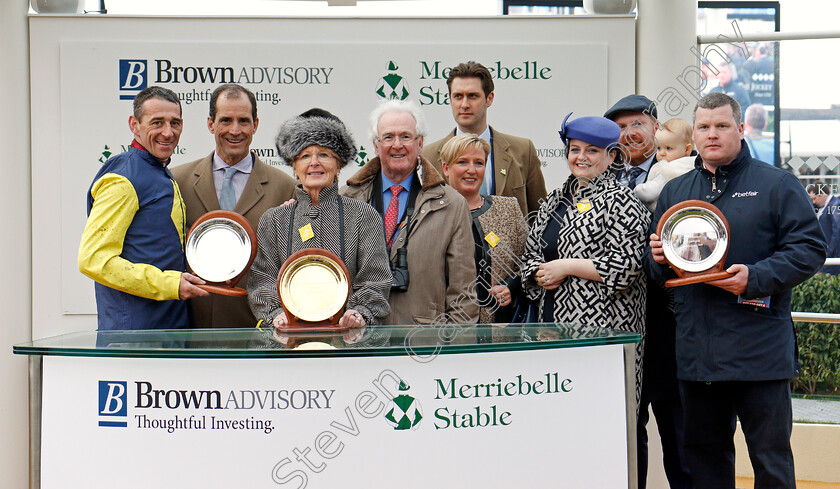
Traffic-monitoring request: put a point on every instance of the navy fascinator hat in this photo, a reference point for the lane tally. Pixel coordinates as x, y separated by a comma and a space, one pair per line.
597, 131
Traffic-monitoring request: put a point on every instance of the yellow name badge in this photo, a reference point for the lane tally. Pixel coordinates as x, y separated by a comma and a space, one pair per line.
492, 239
584, 205
306, 232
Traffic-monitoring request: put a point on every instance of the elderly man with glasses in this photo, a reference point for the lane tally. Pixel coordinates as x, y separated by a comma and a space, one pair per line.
427, 224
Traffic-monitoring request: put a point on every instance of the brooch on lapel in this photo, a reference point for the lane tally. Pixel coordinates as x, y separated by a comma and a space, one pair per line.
584, 205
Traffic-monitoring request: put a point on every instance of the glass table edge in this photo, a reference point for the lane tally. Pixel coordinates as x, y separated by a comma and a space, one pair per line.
37, 347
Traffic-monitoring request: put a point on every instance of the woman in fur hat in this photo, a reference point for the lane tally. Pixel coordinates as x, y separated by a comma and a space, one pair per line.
317, 145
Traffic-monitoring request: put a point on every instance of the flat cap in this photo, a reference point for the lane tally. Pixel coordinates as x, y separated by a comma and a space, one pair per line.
633, 103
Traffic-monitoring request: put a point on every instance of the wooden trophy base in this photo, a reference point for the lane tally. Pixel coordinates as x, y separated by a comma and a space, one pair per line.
688, 278
297, 325
224, 290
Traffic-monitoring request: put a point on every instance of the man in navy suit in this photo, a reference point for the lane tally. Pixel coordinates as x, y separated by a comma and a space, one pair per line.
828, 215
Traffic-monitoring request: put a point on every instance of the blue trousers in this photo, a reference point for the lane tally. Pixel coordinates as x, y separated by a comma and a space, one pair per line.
669, 420
766, 416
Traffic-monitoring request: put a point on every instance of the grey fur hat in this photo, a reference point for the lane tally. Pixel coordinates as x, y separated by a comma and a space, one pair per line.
300, 132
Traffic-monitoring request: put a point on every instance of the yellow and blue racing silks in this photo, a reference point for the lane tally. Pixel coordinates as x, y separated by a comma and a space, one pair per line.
133, 244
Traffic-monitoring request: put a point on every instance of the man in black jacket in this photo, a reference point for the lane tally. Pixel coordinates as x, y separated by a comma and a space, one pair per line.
735, 341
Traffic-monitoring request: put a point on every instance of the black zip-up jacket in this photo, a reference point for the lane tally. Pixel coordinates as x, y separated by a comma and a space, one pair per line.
775, 233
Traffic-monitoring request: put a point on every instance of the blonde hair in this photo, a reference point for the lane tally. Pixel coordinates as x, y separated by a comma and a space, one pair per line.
456, 146
679, 127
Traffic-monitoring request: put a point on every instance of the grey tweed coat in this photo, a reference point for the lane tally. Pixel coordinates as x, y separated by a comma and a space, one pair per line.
364, 255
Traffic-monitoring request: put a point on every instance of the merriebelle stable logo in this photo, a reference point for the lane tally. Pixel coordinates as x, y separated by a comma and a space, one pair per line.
404, 412
392, 86
482, 415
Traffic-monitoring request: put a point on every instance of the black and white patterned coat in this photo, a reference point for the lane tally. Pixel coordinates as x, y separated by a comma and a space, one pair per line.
365, 254
612, 234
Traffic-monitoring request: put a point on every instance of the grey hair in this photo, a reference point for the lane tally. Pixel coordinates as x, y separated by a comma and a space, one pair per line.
409, 107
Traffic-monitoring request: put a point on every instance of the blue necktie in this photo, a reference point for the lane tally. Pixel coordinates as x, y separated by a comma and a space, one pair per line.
632, 175
227, 198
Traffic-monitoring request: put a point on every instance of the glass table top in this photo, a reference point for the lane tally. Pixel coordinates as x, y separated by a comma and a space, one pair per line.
370, 341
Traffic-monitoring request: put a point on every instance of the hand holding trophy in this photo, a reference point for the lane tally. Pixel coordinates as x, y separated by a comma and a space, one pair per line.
695, 240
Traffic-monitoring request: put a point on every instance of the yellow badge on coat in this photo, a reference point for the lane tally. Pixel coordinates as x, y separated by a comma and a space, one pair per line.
306, 232
584, 205
492, 239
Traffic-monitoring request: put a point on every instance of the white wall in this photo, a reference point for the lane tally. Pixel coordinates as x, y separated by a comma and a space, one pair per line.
403, 8
15, 245
585, 65
666, 32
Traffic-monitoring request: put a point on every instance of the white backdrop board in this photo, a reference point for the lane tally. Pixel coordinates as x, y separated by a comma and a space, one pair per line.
501, 419
84, 71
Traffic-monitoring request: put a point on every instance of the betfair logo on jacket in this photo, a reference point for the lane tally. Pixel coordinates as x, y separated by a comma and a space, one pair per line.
749, 193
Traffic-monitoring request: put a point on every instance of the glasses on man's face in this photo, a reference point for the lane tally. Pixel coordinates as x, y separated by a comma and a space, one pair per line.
390, 139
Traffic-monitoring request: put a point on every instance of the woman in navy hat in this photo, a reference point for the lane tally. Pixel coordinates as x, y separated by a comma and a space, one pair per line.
583, 256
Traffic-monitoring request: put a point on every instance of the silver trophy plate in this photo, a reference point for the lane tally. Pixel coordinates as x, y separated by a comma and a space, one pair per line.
694, 239
218, 249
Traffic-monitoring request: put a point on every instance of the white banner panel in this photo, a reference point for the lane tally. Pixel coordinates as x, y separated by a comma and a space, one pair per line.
85, 73
540, 418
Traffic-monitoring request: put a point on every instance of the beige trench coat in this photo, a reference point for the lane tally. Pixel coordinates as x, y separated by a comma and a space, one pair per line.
440, 251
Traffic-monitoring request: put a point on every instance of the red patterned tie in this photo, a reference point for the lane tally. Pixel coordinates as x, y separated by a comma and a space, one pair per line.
391, 213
